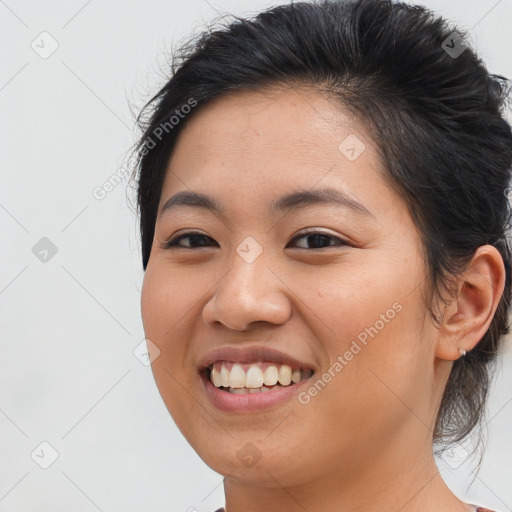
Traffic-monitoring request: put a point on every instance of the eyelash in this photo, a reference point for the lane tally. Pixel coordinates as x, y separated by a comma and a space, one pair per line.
173, 242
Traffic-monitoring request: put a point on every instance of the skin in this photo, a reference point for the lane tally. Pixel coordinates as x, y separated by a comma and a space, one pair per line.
364, 442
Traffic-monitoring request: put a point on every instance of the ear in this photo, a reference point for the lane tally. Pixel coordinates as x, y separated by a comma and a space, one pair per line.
467, 317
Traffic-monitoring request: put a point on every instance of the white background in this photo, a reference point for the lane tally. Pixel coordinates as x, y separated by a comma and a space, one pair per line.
69, 326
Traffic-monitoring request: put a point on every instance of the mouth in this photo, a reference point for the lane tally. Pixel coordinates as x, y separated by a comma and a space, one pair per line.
254, 378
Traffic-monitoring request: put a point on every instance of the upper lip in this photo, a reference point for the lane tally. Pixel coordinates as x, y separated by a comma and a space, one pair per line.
248, 355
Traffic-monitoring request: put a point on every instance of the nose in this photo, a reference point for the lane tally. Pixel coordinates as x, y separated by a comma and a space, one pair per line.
248, 293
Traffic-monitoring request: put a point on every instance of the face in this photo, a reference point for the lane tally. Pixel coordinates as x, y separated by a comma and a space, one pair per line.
344, 298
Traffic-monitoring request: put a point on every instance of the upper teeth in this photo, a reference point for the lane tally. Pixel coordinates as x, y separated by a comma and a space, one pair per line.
255, 377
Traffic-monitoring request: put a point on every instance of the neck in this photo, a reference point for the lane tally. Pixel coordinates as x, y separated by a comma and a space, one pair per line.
405, 482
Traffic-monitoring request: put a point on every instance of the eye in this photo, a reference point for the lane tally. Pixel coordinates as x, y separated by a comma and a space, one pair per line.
319, 238
198, 237
314, 237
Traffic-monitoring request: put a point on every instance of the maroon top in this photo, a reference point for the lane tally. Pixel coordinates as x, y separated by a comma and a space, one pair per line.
477, 509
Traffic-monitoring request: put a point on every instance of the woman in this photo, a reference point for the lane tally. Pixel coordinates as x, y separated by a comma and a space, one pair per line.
324, 218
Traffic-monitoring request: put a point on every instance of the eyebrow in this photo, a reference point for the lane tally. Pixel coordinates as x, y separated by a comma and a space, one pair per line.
297, 199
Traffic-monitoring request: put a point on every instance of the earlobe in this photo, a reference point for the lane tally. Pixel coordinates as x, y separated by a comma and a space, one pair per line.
467, 317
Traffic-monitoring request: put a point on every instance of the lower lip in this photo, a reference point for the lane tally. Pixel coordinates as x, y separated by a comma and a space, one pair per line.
250, 402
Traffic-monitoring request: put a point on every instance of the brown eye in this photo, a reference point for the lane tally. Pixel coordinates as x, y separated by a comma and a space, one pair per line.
195, 240
320, 238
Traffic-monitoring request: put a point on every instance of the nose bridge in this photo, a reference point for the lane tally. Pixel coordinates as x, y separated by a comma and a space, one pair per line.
249, 250
249, 292
248, 270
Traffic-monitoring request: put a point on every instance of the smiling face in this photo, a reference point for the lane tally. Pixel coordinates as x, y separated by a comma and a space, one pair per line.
345, 300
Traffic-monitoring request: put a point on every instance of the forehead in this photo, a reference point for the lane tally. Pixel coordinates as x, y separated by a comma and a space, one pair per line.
247, 138
267, 118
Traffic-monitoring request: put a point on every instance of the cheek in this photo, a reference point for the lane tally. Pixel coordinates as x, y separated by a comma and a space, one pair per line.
165, 307
379, 369
370, 323
164, 300
347, 300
